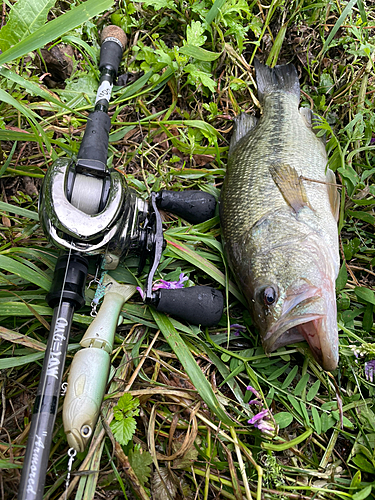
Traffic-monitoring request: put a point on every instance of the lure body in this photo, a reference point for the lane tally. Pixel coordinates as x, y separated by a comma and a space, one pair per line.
89, 370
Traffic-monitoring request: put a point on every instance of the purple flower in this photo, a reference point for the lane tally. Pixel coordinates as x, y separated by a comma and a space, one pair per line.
266, 427
239, 329
370, 370
171, 284
165, 284
255, 402
257, 417
263, 422
254, 391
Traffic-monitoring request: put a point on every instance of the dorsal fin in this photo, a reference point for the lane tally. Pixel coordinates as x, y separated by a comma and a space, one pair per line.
243, 123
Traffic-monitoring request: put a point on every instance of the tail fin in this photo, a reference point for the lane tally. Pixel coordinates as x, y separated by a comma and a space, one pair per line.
282, 78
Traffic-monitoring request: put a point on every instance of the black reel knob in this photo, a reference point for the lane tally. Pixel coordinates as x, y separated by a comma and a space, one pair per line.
199, 305
193, 206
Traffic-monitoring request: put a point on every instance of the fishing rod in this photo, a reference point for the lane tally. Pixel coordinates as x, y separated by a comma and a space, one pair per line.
88, 211
67, 291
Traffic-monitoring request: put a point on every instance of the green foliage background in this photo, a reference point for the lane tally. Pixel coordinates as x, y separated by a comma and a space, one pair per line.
189, 72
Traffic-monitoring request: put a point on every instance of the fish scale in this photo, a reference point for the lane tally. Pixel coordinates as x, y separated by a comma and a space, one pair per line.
278, 224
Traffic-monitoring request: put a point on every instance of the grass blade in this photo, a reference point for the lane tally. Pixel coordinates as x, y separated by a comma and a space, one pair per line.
12, 266
13, 209
337, 26
189, 255
190, 365
56, 28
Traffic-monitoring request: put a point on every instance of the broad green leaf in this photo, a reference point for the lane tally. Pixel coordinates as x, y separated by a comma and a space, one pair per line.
289, 379
12, 266
349, 173
190, 365
283, 419
76, 90
356, 481
123, 430
194, 34
126, 404
25, 17
313, 391
56, 28
327, 422
140, 462
199, 53
277, 373
159, 4
304, 411
363, 464
362, 494
368, 318
199, 76
293, 401
301, 384
365, 294
317, 420
365, 216
342, 278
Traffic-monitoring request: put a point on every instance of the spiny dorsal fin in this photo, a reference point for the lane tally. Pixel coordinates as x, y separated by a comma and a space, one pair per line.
290, 185
243, 123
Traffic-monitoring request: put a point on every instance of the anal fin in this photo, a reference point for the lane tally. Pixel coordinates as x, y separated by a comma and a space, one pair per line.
290, 185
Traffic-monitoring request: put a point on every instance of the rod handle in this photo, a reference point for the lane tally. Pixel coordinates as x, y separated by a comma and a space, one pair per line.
193, 206
114, 42
199, 305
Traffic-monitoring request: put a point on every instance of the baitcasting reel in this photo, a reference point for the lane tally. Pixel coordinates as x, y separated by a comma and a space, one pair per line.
89, 210
122, 224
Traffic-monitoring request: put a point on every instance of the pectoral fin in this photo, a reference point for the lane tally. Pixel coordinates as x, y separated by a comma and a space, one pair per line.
290, 185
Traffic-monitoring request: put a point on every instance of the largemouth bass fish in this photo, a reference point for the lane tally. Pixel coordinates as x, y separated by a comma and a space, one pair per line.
279, 207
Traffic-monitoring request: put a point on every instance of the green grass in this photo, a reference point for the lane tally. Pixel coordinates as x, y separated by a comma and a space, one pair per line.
191, 72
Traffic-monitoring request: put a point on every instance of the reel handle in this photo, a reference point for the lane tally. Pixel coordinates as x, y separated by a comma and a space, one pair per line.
199, 305
193, 206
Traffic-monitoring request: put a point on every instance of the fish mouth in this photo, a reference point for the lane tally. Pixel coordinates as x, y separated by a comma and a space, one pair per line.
78, 439
305, 318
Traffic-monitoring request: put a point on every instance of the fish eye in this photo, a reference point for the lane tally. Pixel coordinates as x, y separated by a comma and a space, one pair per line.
86, 431
269, 296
